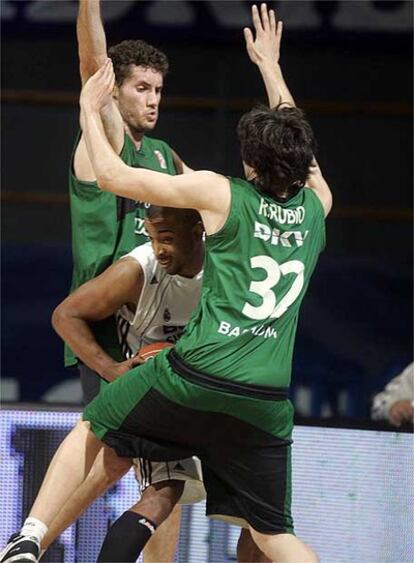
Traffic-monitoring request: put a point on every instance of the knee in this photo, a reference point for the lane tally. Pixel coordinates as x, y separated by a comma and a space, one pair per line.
284, 545
82, 427
247, 550
108, 467
158, 500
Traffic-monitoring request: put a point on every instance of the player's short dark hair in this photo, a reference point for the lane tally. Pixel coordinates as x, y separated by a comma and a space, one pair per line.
189, 217
279, 144
137, 53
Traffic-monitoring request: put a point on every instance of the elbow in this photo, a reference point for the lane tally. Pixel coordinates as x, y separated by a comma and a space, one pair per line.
105, 180
103, 183
59, 319
327, 202
329, 199
109, 176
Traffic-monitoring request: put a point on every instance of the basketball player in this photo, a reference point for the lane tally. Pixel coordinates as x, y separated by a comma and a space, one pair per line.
152, 291
104, 226
222, 392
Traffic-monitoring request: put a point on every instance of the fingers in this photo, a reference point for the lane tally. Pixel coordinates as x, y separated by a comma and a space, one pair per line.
105, 75
256, 19
108, 69
104, 68
279, 31
137, 361
272, 21
248, 35
265, 17
265, 21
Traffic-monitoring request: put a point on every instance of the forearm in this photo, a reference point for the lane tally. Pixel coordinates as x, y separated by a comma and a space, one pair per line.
105, 162
91, 38
79, 336
276, 87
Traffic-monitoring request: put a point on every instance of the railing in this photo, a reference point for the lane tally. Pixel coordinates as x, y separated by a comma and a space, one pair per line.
337, 108
325, 108
367, 213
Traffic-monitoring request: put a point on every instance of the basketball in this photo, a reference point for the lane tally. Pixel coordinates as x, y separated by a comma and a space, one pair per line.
151, 350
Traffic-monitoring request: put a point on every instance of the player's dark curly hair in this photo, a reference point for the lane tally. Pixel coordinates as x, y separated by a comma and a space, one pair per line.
188, 217
137, 53
279, 144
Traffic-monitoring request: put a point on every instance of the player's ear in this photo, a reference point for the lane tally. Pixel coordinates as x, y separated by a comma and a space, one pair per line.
115, 92
198, 230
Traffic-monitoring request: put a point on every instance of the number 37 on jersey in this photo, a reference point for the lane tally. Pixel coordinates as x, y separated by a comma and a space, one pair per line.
270, 306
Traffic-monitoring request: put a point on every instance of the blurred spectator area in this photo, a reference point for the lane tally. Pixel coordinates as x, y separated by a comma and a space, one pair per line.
355, 328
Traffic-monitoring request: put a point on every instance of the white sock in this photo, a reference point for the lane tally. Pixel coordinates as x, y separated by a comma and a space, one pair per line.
34, 527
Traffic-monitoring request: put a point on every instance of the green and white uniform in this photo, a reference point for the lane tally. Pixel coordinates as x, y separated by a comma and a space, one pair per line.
106, 227
244, 328
224, 388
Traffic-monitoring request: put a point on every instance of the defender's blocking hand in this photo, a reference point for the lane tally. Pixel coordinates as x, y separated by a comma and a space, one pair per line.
265, 47
97, 91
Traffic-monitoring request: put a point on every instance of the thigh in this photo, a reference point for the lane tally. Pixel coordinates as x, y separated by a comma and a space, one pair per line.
251, 485
187, 470
130, 416
113, 405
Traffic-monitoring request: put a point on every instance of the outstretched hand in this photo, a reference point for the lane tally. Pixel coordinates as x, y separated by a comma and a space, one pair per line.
265, 47
97, 91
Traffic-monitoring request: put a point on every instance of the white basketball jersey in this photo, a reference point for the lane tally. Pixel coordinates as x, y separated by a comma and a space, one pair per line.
163, 309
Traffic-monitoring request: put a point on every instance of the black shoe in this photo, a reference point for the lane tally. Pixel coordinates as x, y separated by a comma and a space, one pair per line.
21, 549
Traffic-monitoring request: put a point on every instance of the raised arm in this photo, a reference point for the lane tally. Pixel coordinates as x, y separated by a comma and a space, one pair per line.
264, 51
207, 192
92, 54
94, 301
91, 38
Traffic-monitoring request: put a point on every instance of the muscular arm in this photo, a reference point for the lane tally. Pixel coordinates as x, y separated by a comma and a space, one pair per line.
264, 51
94, 301
91, 38
92, 54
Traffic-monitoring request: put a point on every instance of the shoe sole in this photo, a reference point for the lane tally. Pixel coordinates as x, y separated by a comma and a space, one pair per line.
23, 559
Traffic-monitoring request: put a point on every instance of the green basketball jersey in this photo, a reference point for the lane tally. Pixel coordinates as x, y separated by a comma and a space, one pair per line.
257, 271
106, 227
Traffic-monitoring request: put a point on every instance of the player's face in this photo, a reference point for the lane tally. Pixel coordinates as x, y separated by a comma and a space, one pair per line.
173, 244
139, 97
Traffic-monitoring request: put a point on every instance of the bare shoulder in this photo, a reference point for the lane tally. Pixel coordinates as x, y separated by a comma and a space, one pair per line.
215, 207
211, 180
127, 266
123, 280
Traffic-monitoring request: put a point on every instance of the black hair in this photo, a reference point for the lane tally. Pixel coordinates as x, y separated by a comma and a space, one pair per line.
189, 217
137, 53
279, 144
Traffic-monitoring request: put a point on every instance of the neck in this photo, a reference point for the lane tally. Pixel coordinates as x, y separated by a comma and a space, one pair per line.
135, 135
